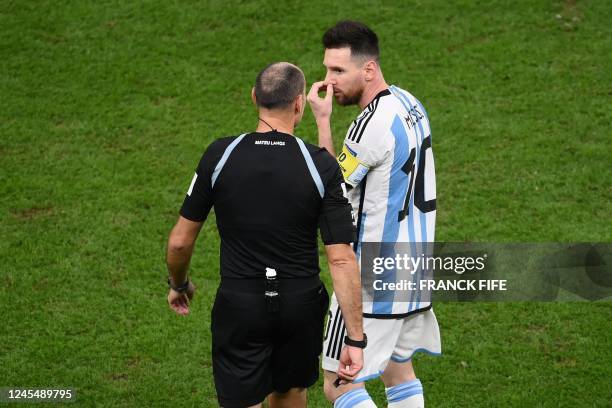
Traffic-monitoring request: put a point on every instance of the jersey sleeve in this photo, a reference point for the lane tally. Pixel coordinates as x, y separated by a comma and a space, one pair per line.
357, 158
336, 219
199, 198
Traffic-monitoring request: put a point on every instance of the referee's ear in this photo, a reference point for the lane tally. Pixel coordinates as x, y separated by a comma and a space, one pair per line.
253, 97
300, 104
299, 107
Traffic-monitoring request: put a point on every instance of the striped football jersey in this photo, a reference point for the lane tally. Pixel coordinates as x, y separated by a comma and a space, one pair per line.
387, 159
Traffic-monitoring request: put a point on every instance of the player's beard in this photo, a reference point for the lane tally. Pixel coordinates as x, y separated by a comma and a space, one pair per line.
346, 99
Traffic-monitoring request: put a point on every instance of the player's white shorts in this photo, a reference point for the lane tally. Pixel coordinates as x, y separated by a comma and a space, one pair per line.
388, 339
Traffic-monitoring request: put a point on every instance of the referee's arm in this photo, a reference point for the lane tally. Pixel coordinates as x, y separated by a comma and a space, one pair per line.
347, 286
338, 232
197, 204
180, 248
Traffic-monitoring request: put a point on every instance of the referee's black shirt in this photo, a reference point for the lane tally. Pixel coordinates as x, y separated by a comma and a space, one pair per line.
268, 203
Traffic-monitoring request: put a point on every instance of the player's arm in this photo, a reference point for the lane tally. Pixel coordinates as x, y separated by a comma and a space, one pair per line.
325, 137
353, 165
364, 151
322, 110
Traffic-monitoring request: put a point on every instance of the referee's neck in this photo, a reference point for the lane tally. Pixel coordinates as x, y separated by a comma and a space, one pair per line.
275, 121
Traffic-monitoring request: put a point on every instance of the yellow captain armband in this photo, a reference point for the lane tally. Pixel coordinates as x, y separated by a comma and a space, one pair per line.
352, 169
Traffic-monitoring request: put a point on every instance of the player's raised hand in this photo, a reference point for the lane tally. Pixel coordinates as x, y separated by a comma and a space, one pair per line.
351, 362
321, 107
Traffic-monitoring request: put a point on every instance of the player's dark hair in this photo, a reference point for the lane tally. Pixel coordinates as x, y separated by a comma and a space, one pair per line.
278, 84
362, 41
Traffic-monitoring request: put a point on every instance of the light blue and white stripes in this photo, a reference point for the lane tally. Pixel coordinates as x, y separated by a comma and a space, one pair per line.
352, 398
416, 243
402, 391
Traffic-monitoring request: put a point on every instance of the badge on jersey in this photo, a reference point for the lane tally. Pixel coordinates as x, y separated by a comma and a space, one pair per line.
352, 169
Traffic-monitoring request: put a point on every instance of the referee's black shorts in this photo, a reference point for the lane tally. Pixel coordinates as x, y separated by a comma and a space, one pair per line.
256, 352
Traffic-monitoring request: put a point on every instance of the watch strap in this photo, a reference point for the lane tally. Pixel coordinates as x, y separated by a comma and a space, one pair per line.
356, 343
180, 289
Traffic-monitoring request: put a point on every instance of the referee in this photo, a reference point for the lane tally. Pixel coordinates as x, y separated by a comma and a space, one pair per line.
271, 191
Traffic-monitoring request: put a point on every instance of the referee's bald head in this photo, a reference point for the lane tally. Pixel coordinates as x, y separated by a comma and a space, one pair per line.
278, 85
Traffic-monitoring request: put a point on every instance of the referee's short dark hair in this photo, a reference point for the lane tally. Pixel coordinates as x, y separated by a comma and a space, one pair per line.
278, 84
362, 41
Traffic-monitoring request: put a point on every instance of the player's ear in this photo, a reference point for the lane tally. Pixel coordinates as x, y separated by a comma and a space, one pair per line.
253, 97
370, 69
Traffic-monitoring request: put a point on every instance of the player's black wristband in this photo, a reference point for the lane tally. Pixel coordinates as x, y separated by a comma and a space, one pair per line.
180, 289
356, 343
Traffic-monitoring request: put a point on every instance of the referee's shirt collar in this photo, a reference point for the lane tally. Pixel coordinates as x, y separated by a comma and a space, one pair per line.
272, 133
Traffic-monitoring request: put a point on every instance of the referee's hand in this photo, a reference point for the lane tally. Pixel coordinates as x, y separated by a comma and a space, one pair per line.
179, 302
351, 362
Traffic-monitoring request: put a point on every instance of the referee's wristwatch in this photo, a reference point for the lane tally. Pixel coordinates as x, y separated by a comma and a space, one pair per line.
356, 343
180, 289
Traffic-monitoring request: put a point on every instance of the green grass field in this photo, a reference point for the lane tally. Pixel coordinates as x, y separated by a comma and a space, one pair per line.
106, 107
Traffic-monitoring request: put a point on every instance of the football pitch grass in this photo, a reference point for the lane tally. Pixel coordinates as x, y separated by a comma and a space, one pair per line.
106, 108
